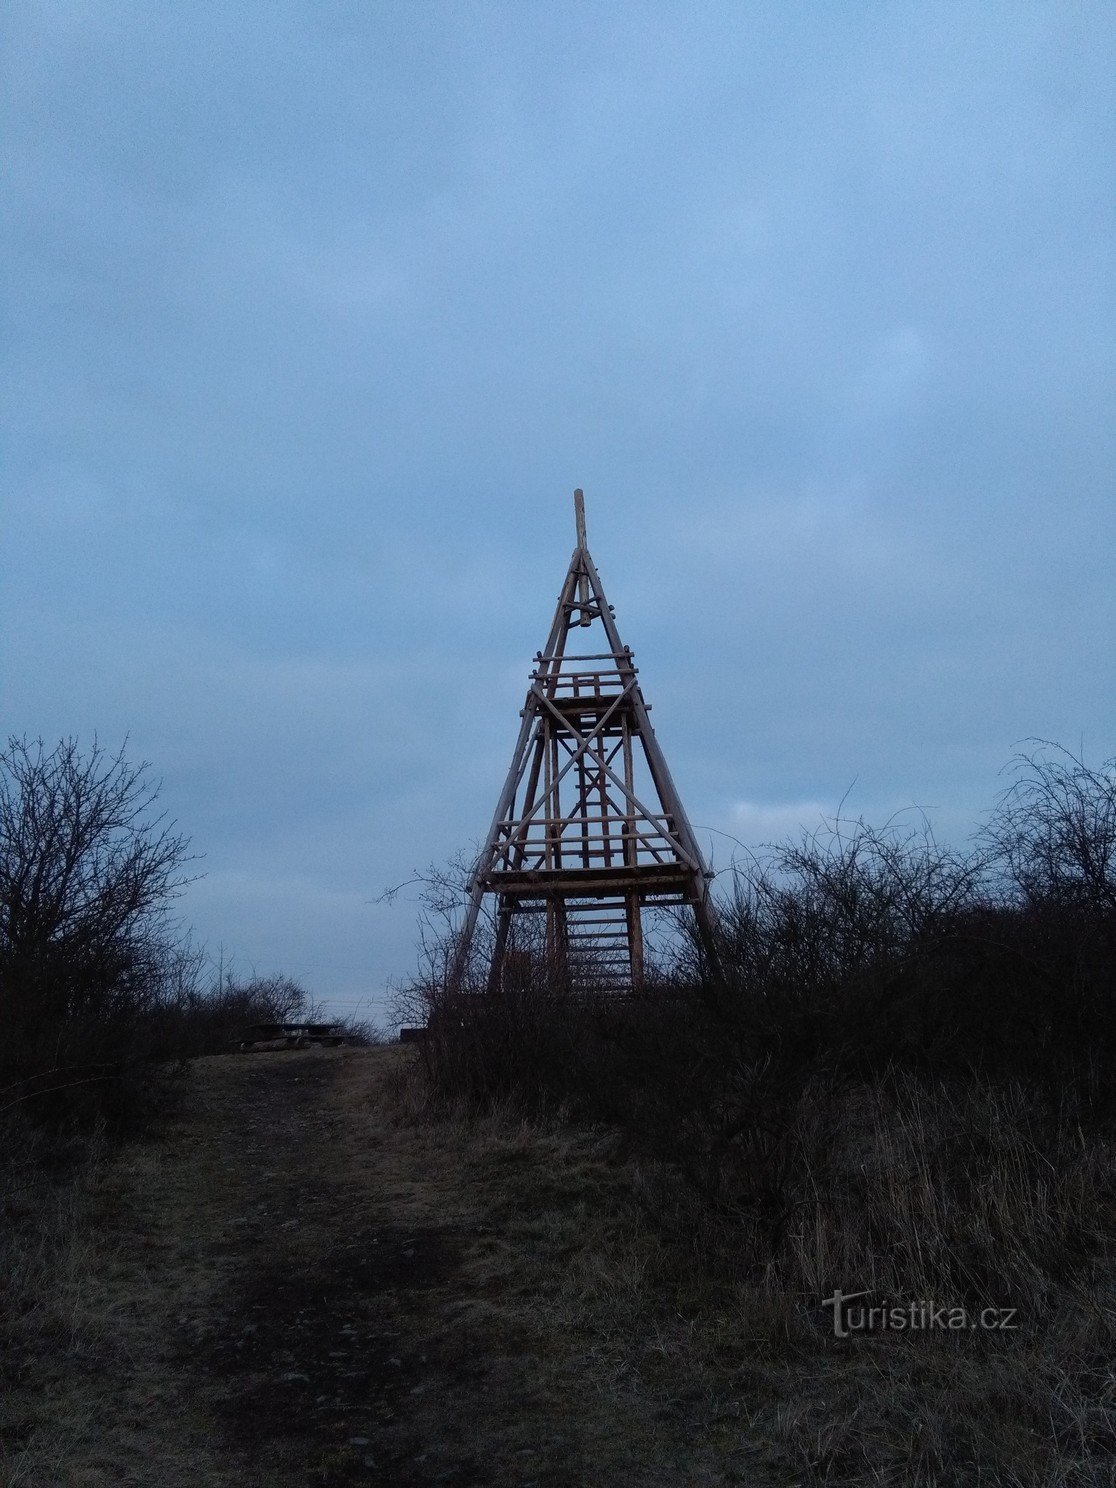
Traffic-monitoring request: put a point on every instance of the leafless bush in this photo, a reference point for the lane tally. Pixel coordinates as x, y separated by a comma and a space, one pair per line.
1054, 831
88, 871
893, 1022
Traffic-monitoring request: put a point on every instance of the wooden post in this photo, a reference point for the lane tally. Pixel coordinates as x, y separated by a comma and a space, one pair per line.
635, 940
579, 516
583, 581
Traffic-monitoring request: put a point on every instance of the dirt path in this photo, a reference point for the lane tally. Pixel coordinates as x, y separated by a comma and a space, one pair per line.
293, 1284
256, 1281
305, 1355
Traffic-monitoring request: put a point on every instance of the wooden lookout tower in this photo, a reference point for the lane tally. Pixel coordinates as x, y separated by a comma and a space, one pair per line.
589, 830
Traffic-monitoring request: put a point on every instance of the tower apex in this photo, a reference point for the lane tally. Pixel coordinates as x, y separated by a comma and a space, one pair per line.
579, 516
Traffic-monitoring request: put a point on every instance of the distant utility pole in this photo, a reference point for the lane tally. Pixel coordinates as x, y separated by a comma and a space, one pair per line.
589, 829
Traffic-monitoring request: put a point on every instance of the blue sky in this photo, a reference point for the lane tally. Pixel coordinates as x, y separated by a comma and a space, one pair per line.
317, 313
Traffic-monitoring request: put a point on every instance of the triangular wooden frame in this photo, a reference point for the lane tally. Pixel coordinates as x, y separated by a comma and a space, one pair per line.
571, 835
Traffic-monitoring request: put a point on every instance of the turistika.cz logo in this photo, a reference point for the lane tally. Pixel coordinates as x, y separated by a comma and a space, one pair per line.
852, 1315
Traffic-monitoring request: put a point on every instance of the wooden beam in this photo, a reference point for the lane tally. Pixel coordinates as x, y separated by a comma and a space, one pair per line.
583, 581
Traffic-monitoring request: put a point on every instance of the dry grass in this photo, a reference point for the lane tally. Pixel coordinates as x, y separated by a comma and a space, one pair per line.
43, 1259
101, 1265
481, 1300
596, 1269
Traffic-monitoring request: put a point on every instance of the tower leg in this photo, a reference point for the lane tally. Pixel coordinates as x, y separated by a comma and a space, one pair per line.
635, 941
496, 968
557, 945
707, 936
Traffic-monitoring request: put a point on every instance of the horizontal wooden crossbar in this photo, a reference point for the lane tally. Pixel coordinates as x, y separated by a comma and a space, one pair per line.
573, 883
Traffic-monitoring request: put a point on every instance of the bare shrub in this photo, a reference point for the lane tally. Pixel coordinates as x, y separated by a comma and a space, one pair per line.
1053, 832
88, 871
902, 1075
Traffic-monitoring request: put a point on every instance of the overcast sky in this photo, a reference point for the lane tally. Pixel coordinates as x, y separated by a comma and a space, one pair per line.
318, 312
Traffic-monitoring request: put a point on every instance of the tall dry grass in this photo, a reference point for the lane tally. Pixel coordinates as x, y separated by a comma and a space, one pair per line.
902, 1082
45, 1183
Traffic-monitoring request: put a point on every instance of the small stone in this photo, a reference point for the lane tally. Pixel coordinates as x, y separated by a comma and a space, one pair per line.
358, 1441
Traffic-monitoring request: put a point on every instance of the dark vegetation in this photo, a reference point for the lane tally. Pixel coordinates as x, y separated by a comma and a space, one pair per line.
101, 993
103, 1001
901, 1076
899, 1080
196, 1018
87, 953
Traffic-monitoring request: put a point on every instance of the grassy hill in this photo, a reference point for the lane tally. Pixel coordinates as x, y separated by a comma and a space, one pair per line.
308, 1274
